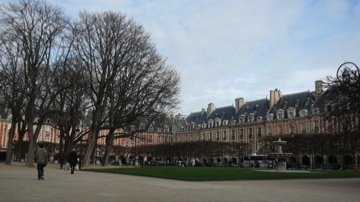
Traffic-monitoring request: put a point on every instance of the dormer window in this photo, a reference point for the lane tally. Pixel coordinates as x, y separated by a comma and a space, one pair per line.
328, 108
303, 113
193, 126
270, 116
217, 122
291, 113
225, 122
250, 118
211, 123
280, 114
204, 125
242, 119
259, 118
316, 111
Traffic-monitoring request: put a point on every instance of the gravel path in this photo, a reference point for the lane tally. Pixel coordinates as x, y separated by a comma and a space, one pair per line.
18, 183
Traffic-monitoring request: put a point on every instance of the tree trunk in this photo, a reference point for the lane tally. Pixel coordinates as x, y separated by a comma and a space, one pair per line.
10, 142
90, 147
61, 156
31, 149
20, 143
108, 146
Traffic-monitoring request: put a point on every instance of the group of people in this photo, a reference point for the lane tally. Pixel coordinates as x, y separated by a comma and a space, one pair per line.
42, 158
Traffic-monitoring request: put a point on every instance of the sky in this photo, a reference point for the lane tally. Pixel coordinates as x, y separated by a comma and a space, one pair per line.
225, 49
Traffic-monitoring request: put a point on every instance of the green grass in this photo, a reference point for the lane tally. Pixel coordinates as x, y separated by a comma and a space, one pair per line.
223, 173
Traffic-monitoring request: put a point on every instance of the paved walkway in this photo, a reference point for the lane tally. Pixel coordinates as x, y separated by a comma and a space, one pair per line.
18, 183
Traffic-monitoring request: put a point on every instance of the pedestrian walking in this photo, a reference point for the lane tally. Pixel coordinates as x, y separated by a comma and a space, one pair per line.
73, 160
41, 161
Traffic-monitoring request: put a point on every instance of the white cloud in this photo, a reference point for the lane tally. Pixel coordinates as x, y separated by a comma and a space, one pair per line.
227, 49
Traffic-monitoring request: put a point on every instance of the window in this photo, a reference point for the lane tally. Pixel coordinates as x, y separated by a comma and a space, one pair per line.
315, 110
269, 132
270, 116
218, 122
280, 114
259, 131
328, 108
242, 119
303, 127
316, 126
241, 135
291, 114
211, 123
233, 135
250, 132
250, 118
292, 128
303, 113
150, 139
224, 135
204, 125
217, 136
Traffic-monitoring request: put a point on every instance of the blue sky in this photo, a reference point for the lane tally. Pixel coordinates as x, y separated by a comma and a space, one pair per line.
226, 49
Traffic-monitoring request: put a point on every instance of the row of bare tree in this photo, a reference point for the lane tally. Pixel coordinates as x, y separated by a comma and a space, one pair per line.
98, 72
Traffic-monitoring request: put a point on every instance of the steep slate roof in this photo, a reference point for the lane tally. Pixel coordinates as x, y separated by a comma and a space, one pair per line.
197, 117
224, 113
256, 107
299, 101
327, 96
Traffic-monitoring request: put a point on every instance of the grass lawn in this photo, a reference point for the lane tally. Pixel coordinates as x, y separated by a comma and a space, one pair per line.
223, 173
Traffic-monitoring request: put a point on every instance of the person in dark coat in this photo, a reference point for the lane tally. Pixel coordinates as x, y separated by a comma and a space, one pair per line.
41, 160
73, 160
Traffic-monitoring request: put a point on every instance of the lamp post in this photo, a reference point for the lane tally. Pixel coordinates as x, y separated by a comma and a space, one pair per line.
346, 69
348, 80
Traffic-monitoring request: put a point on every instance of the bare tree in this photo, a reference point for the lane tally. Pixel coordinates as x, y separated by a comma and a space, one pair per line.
120, 60
35, 26
12, 86
68, 109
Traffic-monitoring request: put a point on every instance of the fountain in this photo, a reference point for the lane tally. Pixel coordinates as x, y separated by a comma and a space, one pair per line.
279, 156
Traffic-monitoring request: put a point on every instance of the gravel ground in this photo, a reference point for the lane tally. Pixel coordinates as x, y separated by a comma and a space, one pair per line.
19, 183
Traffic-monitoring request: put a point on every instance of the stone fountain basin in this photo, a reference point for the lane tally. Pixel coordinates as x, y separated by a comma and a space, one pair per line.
280, 155
286, 171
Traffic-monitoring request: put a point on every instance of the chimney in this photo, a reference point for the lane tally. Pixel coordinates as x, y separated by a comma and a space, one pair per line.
210, 109
319, 88
275, 96
239, 102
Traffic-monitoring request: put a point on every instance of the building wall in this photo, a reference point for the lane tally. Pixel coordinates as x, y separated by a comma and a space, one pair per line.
253, 133
3, 133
